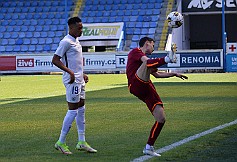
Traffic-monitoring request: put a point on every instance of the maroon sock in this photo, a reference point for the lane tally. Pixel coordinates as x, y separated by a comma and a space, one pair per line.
155, 131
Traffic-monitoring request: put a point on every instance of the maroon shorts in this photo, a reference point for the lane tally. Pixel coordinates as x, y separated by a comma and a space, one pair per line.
146, 92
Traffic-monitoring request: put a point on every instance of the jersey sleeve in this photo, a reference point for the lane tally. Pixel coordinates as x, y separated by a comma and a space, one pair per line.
137, 54
62, 48
153, 63
157, 62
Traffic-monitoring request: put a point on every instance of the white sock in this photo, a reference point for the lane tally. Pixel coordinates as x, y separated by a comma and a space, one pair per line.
67, 123
148, 146
80, 121
167, 59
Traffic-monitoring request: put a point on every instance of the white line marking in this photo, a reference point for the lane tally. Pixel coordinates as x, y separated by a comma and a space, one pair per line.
169, 147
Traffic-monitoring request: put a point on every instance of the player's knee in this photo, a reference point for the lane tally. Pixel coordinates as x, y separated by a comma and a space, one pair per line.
162, 119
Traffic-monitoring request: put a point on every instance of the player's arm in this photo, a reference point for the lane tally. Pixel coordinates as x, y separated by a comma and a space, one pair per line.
86, 79
153, 63
168, 75
57, 62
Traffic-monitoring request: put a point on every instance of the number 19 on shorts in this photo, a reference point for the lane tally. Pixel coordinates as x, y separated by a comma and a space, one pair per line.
75, 90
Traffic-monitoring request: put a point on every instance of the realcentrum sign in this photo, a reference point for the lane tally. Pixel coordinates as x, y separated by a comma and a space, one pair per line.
101, 31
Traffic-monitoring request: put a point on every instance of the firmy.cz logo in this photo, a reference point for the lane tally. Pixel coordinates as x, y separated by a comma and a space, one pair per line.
29, 62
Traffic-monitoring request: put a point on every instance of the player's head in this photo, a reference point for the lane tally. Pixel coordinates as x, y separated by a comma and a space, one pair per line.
147, 44
75, 26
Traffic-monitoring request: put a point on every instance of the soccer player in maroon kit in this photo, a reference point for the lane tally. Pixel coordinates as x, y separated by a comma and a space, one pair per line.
138, 70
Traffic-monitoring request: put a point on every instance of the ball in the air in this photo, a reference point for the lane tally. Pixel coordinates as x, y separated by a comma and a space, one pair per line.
175, 19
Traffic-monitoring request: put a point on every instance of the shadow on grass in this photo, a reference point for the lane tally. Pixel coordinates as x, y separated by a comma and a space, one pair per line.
195, 83
121, 94
12, 99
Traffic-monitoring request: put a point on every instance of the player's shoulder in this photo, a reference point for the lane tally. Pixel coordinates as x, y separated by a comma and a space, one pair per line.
65, 41
135, 50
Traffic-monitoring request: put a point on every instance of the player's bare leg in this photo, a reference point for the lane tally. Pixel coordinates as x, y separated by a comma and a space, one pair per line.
144, 72
159, 116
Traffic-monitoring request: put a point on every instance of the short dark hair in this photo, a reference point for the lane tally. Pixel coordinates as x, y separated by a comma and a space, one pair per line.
144, 39
73, 20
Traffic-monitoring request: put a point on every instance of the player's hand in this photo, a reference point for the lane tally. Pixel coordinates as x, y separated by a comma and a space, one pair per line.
181, 76
85, 78
72, 78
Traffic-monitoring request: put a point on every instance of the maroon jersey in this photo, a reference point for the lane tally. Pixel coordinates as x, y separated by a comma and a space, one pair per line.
134, 62
144, 90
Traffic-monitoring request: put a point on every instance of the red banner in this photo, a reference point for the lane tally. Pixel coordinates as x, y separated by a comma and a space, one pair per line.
7, 63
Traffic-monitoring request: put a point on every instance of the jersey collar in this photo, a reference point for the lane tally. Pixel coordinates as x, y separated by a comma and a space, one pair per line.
71, 37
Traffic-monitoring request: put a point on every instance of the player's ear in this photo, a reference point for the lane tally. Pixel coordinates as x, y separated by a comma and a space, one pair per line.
146, 43
71, 26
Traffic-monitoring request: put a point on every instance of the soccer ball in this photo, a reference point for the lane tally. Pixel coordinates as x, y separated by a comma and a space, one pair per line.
175, 19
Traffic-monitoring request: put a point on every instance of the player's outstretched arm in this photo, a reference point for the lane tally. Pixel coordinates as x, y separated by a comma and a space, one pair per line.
153, 63
168, 75
181, 76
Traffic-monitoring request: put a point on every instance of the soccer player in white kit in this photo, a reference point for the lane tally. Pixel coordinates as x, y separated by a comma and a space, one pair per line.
68, 57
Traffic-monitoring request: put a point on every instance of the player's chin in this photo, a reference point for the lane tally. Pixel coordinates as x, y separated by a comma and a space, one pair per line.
150, 52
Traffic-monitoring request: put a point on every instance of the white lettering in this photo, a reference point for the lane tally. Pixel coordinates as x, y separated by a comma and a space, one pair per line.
25, 63
184, 60
200, 60
204, 4
234, 63
216, 59
200, 4
190, 60
230, 3
219, 3
234, 58
195, 60
208, 59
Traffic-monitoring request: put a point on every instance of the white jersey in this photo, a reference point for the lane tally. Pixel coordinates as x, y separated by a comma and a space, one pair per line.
71, 52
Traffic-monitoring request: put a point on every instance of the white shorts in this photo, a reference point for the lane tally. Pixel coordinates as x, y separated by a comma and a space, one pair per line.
75, 92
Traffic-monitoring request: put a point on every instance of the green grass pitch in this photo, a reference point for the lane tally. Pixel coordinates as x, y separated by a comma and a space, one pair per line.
32, 108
